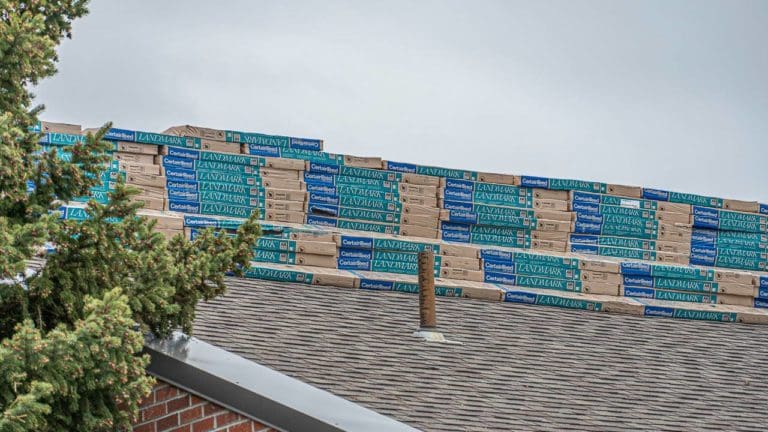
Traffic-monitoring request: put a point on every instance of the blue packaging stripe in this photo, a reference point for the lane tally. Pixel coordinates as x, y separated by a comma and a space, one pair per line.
348, 263
180, 152
670, 312
525, 297
307, 144
376, 285
264, 150
355, 242
534, 182
655, 194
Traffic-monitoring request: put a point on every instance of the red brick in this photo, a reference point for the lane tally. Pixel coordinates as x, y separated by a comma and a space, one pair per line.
210, 408
226, 418
188, 415
178, 403
166, 393
185, 428
149, 400
148, 427
196, 400
166, 423
159, 385
204, 425
241, 427
153, 412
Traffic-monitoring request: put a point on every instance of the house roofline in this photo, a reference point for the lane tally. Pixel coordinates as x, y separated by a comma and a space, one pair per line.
257, 391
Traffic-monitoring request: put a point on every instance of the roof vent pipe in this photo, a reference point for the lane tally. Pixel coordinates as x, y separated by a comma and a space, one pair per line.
428, 320
427, 316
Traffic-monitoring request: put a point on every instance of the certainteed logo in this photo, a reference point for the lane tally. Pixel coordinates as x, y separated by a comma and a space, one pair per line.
183, 153
588, 227
355, 254
454, 205
499, 267
184, 163
582, 207
180, 174
535, 182
401, 167
307, 144
185, 195
638, 292
463, 216
460, 185
321, 188
354, 263
655, 194
520, 297
456, 236
376, 285
181, 184
589, 218
643, 281
504, 279
585, 239
705, 212
587, 198
120, 135
457, 194
317, 167
263, 150
659, 311
313, 177
356, 242
183, 207
321, 198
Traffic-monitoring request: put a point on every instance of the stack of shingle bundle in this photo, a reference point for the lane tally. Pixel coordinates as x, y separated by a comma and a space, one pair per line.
504, 214
138, 158
725, 238
219, 180
670, 227
383, 254
676, 282
626, 227
381, 257
353, 197
343, 191
360, 221
280, 244
59, 137
562, 215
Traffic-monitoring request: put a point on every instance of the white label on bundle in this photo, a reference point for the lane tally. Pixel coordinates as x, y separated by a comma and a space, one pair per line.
630, 203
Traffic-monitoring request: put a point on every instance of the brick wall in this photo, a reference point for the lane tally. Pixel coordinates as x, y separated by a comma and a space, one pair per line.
171, 409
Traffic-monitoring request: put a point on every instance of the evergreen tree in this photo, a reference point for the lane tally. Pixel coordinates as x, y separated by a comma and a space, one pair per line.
73, 329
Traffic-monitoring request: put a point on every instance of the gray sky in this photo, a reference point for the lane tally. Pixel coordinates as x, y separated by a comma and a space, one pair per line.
665, 94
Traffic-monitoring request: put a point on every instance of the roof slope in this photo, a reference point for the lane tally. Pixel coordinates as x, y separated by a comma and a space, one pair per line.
519, 367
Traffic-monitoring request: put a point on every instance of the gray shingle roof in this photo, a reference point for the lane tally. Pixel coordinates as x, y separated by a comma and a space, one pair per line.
518, 367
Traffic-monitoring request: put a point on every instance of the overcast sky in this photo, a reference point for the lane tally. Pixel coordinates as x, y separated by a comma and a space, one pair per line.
665, 94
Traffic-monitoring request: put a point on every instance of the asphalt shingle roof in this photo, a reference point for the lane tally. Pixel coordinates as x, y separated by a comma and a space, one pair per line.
517, 368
